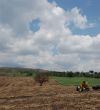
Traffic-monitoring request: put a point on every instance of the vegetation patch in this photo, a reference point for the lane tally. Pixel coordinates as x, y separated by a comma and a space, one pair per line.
76, 80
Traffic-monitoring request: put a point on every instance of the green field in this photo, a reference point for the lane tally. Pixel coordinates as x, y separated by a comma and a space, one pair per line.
76, 80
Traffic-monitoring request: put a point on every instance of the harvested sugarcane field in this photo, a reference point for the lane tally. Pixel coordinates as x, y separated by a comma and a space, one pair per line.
23, 93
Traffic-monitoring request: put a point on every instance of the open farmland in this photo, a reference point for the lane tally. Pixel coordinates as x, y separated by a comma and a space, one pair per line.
76, 80
22, 93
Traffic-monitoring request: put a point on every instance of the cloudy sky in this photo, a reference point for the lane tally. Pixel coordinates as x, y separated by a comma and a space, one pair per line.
50, 34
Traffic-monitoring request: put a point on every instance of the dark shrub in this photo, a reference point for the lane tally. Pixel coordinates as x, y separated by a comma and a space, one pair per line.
41, 78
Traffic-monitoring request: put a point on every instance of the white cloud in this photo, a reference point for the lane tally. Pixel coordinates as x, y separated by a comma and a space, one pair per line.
80, 21
52, 47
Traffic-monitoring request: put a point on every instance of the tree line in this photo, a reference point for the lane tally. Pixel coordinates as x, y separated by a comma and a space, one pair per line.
91, 74
31, 72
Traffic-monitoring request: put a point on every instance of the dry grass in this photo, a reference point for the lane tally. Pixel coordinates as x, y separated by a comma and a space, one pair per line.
22, 93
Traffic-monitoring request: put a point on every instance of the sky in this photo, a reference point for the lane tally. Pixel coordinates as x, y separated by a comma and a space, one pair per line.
61, 35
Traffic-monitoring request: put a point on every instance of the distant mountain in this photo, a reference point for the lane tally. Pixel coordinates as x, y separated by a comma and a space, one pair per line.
17, 71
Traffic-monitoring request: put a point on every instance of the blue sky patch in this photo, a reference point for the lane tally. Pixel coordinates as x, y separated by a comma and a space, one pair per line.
90, 8
35, 25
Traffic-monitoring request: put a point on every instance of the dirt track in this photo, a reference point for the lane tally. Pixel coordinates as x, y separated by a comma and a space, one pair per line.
22, 93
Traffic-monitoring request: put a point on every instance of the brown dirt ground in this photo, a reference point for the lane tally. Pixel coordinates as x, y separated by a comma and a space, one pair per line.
22, 93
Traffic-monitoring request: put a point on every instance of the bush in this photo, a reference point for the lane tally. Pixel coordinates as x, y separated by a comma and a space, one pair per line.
41, 78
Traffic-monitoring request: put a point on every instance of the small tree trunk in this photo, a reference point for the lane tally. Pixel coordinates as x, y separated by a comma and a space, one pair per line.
41, 83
